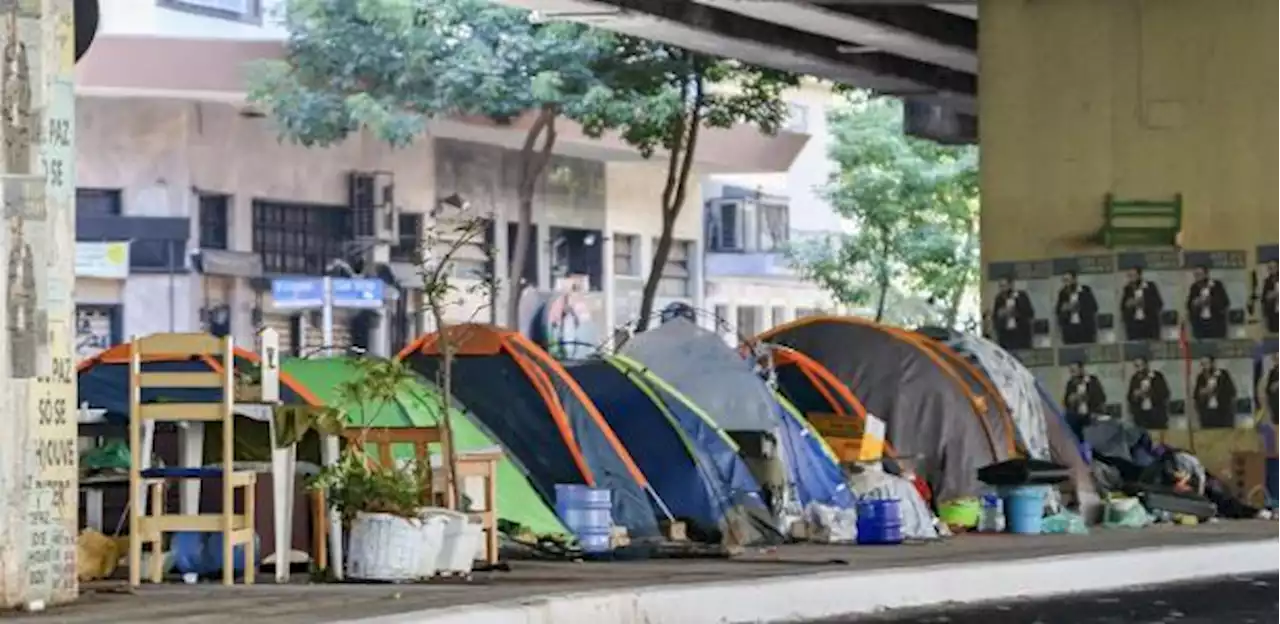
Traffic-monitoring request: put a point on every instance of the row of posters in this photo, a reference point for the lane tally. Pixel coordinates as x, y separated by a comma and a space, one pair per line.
1105, 333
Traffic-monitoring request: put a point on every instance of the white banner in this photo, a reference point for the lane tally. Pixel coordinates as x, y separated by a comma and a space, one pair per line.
102, 260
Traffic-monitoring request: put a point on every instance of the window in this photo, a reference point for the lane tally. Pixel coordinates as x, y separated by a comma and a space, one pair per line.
749, 226
677, 272
626, 254
98, 202
797, 118
778, 315
163, 255
722, 318
299, 239
214, 225
577, 252
238, 10
407, 249
748, 321
807, 312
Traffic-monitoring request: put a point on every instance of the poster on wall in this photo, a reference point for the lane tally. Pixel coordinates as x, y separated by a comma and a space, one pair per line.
1085, 305
1092, 380
1020, 296
1043, 364
1266, 303
97, 329
1150, 295
1217, 293
1221, 376
1155, 385
1266, 379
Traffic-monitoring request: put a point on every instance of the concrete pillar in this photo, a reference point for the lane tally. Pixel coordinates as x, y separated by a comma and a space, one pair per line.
608, 280
38, 473
1141, 98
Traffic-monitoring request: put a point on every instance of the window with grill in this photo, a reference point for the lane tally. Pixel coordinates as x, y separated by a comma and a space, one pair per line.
299, 239
408, 249
215, 226
91, 202
677, 273
151, 254
748, 321
626, 254
778, 315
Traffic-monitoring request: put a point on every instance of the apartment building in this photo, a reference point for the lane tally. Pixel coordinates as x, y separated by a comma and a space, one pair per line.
190, 208
750, 219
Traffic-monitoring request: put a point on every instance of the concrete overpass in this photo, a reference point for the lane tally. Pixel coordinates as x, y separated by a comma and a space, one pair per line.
923, 51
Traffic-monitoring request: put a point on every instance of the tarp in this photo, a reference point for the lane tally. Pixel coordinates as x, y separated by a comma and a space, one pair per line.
688, 460
526, 400
103, 381
703, 368
928, 407
715, 377
1042, 430
418, 405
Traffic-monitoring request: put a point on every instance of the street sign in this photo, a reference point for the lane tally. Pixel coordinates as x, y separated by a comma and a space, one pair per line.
295, 293
360, 292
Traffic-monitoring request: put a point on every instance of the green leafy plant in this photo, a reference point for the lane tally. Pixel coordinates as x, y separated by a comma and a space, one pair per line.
357, 484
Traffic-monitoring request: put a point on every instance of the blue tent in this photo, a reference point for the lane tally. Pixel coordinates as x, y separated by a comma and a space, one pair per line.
690, 462
103, 381
723, 384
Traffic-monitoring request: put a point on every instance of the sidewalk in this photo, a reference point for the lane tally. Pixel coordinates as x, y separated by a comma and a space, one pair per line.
794, 583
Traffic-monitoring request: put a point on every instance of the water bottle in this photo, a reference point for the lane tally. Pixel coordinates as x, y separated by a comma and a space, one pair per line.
992, 518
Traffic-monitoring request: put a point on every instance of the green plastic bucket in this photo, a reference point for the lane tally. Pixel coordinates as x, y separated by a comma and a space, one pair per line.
962, 512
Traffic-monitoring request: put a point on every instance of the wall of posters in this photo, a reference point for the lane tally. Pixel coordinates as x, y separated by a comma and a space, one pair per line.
1020, 299
1266, 379
1091, 379
1266, 308
1218, 292
1085, 301
1221, 383
1155, 385
1151, 293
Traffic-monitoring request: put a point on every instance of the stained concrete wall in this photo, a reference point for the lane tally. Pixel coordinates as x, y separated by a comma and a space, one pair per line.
1141, 98
38, 458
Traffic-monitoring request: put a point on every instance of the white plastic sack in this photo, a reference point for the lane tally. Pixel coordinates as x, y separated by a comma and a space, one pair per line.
917, 518
831, 525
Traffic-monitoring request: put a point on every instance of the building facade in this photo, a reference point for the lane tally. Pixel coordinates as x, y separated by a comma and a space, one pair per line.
751, 219
190, 207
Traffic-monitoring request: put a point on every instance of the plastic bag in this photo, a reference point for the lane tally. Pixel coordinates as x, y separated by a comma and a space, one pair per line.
1065, 522
1126, 513
831, 525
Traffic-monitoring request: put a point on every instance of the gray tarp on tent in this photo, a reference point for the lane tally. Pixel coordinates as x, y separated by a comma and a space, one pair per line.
707, 372
927, 413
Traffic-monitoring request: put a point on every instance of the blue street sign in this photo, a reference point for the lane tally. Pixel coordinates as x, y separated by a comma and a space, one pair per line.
360, 292
293, 293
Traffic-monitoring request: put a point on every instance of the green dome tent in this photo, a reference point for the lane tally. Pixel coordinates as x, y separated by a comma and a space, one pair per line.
417, 405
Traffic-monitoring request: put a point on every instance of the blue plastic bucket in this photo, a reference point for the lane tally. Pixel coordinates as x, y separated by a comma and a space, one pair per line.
880, 521
1024, 508
588, 513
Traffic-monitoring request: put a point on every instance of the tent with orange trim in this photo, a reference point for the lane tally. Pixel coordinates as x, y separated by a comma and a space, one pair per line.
935, 409
103, 380
541, 417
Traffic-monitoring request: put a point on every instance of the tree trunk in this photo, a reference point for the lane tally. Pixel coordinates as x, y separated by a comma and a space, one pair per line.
445, 381
952, 316
533, 162
679, 166
882, 300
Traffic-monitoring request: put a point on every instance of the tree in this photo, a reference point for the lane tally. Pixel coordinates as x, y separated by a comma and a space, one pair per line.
664, 97
390, 66
913, 205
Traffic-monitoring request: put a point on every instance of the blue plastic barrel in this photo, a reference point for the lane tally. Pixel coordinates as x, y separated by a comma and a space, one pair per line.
1024, 508
880, 521
588, 513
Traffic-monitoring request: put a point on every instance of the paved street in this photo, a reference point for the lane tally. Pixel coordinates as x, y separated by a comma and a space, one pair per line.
1243, 600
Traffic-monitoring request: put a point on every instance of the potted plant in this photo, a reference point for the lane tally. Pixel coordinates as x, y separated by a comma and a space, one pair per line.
382, 513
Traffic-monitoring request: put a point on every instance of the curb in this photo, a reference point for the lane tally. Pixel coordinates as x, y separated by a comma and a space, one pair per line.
835, 594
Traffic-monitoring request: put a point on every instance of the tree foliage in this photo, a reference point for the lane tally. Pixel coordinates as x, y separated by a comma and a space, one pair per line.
666, 96
913, 207
390, 66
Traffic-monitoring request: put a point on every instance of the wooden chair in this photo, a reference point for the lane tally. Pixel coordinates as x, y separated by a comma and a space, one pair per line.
236, 529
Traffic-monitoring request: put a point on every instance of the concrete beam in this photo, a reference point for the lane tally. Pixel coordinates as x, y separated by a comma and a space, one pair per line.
943, 39
715, 31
